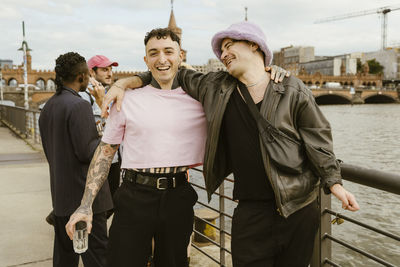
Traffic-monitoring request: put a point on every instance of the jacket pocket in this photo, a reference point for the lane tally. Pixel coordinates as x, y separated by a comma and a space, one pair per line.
295, 186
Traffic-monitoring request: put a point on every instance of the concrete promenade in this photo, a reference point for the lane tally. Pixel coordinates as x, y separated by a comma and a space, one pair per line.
25, 238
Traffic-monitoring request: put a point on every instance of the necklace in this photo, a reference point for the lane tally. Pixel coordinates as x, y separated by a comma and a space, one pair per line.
254, 84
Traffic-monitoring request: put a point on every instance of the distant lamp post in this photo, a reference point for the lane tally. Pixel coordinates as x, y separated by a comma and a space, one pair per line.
25, 49
1, 85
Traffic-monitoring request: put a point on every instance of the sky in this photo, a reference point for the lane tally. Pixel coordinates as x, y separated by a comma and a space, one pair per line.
117, 28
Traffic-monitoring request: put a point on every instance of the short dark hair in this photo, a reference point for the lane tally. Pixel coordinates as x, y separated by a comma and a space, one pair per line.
162, 33
68, 67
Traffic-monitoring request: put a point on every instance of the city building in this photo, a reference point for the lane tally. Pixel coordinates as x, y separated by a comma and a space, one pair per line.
333, 66
290, 57
6, 63
213, 64
389, 59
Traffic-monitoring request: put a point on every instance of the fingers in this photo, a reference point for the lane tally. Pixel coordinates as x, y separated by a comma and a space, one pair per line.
280, 74
119, 102
353, 205
76, 217
288, 73
106, 103
273, 74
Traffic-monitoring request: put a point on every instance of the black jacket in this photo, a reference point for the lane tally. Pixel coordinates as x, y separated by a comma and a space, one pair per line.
69, 139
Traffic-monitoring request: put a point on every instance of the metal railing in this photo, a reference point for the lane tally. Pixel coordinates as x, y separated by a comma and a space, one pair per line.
322, 255
24, 122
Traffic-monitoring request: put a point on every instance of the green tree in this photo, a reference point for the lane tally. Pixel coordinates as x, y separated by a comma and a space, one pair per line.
359, 65
375, 67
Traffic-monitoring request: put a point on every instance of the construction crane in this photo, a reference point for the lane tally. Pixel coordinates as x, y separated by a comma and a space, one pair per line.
383, 11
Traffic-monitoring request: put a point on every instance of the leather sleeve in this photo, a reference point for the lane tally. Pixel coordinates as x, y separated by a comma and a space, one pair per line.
196, 84
145, 77
316, 134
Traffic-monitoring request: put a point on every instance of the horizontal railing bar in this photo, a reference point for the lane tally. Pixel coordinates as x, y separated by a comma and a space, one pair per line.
227, 179
206, 237
212, 241
207, 222
19, 108
388, 234
386, 181
331, 263
366, 254
211, 208
213, 225
205, 253
215, 193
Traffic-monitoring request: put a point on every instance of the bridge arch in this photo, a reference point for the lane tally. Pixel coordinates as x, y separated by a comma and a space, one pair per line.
379, 99
40, 83
50, 85
12, 82
330, 99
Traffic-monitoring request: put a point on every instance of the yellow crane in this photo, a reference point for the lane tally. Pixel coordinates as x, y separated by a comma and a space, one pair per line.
382, 11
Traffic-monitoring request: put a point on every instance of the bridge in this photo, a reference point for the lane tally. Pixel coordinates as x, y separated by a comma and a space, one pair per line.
325, 96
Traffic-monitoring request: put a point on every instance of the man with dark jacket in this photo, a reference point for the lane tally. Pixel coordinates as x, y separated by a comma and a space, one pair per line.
276, 219
69, 139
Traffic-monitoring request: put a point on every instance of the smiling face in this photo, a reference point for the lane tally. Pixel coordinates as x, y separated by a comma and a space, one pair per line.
237, 55
163, 57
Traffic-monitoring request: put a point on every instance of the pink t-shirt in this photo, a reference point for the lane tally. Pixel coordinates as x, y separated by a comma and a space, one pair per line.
159, 128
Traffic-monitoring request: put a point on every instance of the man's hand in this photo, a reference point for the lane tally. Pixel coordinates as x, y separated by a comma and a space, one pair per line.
81, 214
98, 91
277, 73
115, 92
348, 200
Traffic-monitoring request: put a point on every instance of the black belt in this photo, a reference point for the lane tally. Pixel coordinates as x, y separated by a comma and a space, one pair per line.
159, 181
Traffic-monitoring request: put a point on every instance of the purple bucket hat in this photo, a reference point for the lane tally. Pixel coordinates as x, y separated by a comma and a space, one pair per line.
242, 31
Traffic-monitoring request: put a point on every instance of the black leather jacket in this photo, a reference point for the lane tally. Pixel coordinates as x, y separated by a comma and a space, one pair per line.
291, 107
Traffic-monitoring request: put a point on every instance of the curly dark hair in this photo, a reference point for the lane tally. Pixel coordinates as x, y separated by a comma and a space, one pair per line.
68, 67
162, 33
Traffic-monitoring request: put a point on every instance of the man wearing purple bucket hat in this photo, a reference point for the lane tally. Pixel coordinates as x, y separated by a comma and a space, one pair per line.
276, 220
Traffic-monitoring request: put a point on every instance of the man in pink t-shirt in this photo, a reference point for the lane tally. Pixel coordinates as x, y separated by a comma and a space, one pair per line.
164, 133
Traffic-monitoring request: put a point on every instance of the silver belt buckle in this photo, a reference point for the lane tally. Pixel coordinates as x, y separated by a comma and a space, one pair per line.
159, 183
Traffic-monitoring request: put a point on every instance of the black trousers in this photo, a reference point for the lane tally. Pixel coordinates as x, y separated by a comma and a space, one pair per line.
141, 213
114, 177
95, 256
263, 238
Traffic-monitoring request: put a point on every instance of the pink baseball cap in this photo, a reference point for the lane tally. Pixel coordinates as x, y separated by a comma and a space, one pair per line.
100, 61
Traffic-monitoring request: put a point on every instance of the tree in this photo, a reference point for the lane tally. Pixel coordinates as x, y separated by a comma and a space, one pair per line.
359, 65
375, 67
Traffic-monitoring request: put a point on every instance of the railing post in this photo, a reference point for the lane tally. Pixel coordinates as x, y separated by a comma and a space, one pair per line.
322, 246
222, 224
36, 127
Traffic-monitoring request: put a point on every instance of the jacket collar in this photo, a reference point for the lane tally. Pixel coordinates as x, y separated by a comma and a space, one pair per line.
175, 83
71, 91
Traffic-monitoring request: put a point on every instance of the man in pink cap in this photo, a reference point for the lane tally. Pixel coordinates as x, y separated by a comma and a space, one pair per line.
101, 78
277, 217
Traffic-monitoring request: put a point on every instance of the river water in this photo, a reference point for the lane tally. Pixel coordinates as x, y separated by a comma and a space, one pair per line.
365, 135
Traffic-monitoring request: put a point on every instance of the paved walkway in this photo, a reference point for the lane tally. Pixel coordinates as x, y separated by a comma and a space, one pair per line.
25, 238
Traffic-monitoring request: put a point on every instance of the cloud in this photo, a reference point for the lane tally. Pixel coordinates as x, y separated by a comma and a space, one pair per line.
117, 28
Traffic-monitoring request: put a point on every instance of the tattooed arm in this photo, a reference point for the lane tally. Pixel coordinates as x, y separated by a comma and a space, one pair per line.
97, 174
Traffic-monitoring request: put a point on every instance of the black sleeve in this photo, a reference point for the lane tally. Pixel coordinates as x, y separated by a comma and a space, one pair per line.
82, 129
